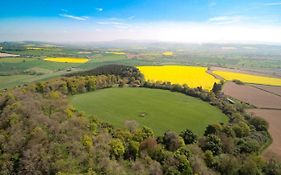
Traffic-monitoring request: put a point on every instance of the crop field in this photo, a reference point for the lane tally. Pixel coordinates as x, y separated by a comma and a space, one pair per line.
268, 103
271, 89
247, 78
13, 80
193, 76
252, 95
15, 60
168, 53
118, 53
274, 120
67, 60
158, 109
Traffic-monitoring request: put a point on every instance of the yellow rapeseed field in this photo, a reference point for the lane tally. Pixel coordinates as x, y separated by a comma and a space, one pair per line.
248, 78
168, 53
34, 48
67, 60
193, 76
117, 53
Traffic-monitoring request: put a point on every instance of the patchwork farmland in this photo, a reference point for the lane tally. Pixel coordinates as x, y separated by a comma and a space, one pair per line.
264, 94
137, 107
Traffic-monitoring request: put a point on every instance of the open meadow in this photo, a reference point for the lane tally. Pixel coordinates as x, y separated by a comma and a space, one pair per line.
160, 110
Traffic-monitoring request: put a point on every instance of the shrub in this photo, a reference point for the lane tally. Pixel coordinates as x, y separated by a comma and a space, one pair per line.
117, 148
212, 143
188, 136
259, 123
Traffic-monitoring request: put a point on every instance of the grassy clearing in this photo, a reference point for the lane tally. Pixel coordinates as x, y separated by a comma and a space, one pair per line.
14, 80
160, 110
7, 68
15, 60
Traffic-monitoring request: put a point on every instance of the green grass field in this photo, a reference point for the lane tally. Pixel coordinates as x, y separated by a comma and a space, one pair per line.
14, 80
161, 109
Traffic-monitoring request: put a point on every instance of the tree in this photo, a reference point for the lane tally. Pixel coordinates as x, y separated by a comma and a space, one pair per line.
184, 151
131, 125
249, 167
149, 145
241, 129
228, 165
213, 129
212, 143
216, 88
143, 133
248, 145
132, 150
183, 164
155, 168
259, 123
188, 136
273, 167
117, 148
91, 84
172, 141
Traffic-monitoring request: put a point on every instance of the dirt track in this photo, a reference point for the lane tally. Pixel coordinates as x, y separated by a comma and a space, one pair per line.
273, 117
7, 55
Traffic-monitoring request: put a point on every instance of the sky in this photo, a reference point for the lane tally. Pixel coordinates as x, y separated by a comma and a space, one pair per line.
192, 21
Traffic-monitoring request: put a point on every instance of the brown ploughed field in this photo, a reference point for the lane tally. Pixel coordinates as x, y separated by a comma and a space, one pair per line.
273, 117
270, 73
272, 89
268, 102
252, 95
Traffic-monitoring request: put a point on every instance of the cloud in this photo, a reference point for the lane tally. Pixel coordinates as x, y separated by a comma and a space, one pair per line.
273, 4
109, 23
225, 19
115, 23
80, 18
99, 9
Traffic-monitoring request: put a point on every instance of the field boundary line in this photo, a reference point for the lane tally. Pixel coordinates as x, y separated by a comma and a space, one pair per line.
264, 108
264, 90
210, 72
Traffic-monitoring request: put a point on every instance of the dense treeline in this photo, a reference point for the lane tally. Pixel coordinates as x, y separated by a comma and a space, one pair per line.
113, 69
40, 133
12, 46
